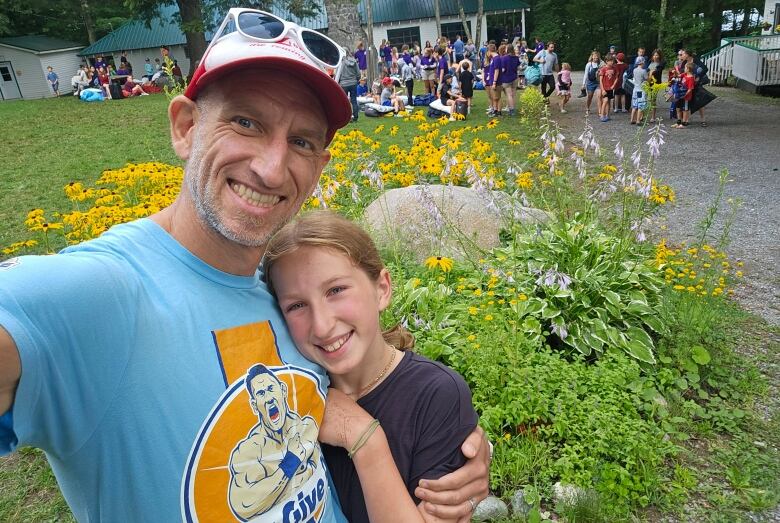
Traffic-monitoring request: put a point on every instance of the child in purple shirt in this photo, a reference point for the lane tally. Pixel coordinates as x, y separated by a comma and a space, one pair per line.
360, 56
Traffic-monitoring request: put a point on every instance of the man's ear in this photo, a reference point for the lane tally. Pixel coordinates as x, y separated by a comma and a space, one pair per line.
183, 115
384, 287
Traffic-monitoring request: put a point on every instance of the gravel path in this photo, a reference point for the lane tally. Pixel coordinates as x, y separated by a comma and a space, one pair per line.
743, 136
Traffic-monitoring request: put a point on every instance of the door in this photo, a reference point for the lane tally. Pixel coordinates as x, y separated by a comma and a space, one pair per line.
9, 88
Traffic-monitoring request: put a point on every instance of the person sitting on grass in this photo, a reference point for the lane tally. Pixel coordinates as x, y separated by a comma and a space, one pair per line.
449, 96
389, 98
130, 88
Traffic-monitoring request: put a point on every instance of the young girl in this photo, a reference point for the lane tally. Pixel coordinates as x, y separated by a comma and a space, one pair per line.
607, 83
401, 416
683, 105
564, 85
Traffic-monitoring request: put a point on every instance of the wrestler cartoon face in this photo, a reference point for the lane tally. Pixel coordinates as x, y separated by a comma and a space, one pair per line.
269, 401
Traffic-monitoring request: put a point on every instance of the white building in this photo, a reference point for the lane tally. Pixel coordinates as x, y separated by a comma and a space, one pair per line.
413, 20
23, 63
772, 16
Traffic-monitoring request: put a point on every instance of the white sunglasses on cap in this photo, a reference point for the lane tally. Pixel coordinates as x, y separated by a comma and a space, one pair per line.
266, 27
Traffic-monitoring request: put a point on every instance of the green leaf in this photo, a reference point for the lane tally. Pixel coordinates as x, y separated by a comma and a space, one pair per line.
612, 297
655, 323
700, 355
635, 333
550, 312
639, 308
640, 351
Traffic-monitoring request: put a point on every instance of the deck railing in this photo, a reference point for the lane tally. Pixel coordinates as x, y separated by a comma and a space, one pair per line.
755, 59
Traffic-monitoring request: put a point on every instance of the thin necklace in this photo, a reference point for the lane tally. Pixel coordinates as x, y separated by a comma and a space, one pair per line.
368, 387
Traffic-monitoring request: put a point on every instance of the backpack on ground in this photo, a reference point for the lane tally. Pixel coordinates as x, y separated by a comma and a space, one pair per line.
479, 86
116, 91
462, 108
423, 99
370, 111
435, 113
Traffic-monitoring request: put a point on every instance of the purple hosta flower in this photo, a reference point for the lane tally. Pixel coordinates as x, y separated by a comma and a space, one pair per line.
560, 330
579, 163
331, 189
644, 190
588, 140
425, 198
318, 194
636, 158
374, 176
638, 228
656, 140
524, 200
553, 277
405, 323
355, 193
619, 152
553, 162
513, 169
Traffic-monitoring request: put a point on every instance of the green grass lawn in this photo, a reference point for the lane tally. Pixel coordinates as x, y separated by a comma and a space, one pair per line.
51, 142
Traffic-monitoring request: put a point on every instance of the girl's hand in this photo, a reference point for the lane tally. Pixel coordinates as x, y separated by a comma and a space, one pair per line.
344, 420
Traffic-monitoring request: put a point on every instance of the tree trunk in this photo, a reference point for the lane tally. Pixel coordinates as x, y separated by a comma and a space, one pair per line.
191, 13
437, 14
480, 14
661, 22
344, 22
715, 16
87, 13
373, 57
463, 20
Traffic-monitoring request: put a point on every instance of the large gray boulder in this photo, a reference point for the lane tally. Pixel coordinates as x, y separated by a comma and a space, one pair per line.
443, 220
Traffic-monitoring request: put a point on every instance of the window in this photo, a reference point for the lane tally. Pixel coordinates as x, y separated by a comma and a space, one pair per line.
5, 72
406, 35
453, 29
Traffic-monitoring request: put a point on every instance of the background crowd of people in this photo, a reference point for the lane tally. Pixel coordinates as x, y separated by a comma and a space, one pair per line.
450, 70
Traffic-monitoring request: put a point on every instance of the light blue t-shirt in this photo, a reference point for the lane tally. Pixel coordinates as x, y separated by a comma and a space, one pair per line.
135, 355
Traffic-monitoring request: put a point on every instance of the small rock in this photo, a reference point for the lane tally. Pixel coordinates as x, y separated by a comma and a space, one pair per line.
489, 509
760, 444
520, 505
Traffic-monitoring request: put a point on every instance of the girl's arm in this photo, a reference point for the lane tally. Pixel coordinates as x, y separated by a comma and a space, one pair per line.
384, 492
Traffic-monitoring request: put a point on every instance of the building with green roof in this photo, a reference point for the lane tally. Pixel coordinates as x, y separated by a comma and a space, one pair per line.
23, 63
398, 21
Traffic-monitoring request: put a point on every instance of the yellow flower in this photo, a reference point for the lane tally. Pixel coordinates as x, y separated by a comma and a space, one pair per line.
471, 337
416, 283
488, 317
477, 292
473, 311
522, 297
439, 262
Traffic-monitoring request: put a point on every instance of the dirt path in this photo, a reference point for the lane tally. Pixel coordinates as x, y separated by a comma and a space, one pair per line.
743, 136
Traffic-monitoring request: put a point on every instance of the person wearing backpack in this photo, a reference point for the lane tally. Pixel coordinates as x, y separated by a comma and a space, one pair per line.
549, 65
591, 79
699, 73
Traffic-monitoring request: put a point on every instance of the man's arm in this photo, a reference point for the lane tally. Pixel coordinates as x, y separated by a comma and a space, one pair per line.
10, 371
448, 497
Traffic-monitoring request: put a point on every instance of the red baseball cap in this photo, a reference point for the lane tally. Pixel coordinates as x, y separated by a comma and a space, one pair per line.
620, 56
235, 52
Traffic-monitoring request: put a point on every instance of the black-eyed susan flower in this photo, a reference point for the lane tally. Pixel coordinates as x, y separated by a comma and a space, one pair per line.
439, 262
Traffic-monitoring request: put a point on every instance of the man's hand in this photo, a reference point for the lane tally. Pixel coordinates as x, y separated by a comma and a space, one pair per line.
448, 497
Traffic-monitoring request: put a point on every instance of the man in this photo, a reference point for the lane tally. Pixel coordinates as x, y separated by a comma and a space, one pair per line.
549, 66
127, 359
459, 48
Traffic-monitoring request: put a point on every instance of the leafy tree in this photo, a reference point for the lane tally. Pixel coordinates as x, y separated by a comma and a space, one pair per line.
195, 16
76, 20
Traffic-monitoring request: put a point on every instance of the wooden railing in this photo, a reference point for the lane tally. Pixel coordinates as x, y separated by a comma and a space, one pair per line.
755, 59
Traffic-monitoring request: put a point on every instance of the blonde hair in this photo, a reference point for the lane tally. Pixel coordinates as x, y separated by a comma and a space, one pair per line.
566, 65
329, 230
